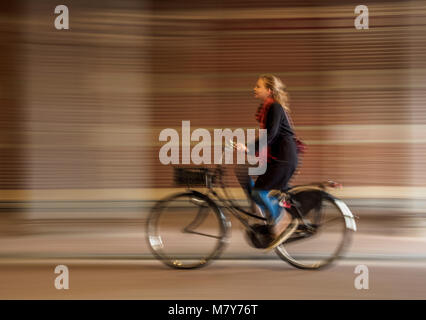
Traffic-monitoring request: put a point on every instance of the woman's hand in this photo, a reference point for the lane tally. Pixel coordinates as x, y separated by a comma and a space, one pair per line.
237, 146
241, 147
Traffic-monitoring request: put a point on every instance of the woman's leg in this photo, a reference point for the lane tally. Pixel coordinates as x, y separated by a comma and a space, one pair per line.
276, 177
268, 204
246, 183
282, 222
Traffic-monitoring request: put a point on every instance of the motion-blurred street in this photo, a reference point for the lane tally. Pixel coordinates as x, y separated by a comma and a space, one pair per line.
111, 260
224, 279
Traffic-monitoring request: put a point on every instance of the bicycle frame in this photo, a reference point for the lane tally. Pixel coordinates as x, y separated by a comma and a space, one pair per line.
227, 204
243, 215
238, 212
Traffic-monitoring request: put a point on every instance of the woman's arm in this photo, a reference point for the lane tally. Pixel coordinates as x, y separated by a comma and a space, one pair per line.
273, 120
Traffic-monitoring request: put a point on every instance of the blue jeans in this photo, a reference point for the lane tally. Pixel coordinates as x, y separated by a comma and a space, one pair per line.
259, 196
271, 205
268, 204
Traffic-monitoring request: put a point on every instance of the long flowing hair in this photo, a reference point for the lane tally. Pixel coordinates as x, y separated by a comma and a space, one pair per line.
278, 89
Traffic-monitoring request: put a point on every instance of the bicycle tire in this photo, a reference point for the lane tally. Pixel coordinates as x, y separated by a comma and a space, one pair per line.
199, 216
304, 256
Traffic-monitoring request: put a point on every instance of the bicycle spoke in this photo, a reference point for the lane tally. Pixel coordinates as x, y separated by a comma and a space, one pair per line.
329, 220
201, 234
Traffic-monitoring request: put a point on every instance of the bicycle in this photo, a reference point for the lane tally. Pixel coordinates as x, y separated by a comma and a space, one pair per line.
195, 221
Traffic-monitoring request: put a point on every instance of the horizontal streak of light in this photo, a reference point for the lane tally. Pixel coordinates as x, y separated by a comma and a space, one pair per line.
414, 8
103, 136
350, 72
362, 192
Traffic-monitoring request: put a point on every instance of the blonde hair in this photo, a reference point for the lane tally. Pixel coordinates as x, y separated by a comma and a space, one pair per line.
278, 89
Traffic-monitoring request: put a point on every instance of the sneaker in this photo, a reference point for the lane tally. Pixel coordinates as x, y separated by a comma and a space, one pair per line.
284, 235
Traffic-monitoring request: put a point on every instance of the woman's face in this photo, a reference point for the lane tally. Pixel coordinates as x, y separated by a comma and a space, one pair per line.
260, 92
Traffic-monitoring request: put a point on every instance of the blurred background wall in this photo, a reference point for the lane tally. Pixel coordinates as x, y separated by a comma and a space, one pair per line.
82, 109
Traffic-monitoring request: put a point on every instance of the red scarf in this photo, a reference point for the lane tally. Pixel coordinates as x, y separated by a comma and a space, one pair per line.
261, 116
262, 112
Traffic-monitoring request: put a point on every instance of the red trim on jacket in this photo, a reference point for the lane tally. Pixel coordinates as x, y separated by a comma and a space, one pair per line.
262, 117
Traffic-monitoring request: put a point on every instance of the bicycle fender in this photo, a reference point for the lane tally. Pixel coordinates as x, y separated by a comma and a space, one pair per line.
347, 213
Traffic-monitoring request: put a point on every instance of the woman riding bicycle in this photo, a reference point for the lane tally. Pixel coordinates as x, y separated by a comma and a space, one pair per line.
189, 229
282, 156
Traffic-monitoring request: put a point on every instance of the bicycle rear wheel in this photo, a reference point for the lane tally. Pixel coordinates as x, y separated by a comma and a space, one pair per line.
322, 237
186, 230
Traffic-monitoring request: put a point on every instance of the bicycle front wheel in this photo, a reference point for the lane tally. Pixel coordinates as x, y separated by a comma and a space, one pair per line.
322, 237
187, 230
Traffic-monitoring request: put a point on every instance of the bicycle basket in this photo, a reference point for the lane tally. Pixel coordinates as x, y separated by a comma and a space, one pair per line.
193, 176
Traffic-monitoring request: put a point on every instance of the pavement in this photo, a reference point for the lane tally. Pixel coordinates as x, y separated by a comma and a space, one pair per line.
110, 259
377, 238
